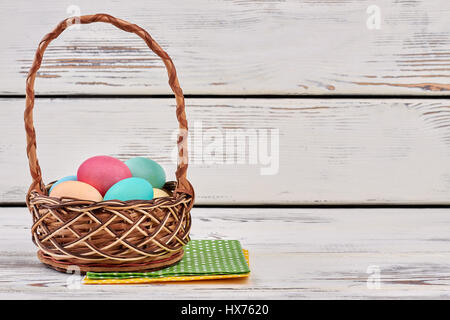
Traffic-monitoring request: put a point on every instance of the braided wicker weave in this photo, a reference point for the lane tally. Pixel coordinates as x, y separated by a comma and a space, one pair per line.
109, 235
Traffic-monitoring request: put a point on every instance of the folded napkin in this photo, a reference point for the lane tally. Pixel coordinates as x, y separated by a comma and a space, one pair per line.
203, 259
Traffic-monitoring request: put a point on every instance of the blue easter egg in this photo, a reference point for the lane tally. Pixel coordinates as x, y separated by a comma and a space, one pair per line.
130, 189
147, 169
68, 178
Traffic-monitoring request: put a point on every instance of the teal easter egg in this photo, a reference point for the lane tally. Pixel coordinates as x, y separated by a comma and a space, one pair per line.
147, 169
68, 178
130, 189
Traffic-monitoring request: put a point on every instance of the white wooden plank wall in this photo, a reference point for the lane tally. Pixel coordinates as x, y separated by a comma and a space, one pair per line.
235, 47
329, 150
340, 151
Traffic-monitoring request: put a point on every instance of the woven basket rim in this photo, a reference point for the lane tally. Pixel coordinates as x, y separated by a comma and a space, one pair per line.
111, 204
171, 200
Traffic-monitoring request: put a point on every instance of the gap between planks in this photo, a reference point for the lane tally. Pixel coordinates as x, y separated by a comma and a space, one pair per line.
225, 96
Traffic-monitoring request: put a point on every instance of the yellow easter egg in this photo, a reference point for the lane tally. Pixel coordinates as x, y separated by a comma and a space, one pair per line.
159, 193
77, 190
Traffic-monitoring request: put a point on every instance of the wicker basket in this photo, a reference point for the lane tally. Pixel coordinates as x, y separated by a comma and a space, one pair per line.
109, 235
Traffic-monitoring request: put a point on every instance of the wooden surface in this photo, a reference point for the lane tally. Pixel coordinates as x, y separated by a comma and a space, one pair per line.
330, 151
294, 254
335, 151
235, 47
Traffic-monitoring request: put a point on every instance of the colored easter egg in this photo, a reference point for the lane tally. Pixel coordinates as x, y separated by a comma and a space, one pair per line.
159, 193
130, 189
147, 169
102, 172
68, 178
77, 190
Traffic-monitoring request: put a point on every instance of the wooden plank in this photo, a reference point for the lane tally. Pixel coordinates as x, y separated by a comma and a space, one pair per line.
235, 47
294, 254
248, 151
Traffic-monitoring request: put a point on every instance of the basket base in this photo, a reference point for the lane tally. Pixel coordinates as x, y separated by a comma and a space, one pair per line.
64, 266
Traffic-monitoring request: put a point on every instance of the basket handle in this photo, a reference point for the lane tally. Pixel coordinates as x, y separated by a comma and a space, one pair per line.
183, 184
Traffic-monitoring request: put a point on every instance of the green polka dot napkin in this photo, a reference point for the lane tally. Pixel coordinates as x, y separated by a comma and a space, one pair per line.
201, 257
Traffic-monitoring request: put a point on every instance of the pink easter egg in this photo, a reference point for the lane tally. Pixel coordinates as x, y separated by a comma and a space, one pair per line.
102, 172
